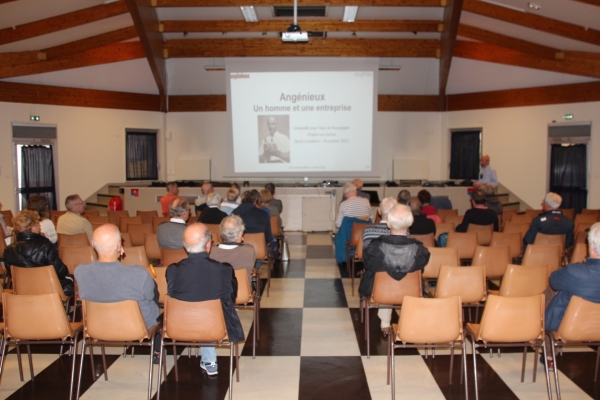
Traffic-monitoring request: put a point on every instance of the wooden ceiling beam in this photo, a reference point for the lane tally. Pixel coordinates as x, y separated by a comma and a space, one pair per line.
61, 22
62, 96
508, 42
312, 48
500, 55
581, 55
270, 3
103, 55
532, 21
307, 25
21, 57
448, 41
592, 2
145, 20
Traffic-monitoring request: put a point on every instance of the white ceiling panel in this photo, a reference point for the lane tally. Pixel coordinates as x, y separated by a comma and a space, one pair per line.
418, 76
25, 11
187, 76
132, 76
470, 76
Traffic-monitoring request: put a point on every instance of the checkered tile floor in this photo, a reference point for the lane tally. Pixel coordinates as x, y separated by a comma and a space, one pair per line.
311, 347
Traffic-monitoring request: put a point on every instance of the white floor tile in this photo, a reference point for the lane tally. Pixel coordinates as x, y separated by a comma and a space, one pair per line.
284, 293
328, 332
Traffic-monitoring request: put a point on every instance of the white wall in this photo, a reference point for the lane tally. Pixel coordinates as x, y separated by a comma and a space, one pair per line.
91, 145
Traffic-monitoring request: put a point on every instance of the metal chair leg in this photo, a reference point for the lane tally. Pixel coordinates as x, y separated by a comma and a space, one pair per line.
104, 363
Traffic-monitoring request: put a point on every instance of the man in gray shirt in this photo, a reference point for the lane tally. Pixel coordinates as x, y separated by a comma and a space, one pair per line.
106, 280
170, 234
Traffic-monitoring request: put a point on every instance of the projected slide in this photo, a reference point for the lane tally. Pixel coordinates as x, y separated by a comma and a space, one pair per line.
302, 121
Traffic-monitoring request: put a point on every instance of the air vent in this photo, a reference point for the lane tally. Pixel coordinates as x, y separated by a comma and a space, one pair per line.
303, 11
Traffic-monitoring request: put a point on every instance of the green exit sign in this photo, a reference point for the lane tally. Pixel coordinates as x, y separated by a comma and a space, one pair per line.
568, 116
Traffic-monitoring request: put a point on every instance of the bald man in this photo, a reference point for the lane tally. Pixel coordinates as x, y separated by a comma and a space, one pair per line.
486, 173
207, 188
106, 280
199, 278
275, 148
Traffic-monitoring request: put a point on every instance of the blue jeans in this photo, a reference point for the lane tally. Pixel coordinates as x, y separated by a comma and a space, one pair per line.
209, 355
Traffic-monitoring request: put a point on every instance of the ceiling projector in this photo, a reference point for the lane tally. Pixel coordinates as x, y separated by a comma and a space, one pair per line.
294, 34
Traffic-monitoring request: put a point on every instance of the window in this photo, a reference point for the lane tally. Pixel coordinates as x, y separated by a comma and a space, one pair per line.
465, 151
141, 153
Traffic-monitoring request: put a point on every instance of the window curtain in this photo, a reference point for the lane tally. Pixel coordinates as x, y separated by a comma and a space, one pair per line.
568, 175
142, 159
37, 167
464, 155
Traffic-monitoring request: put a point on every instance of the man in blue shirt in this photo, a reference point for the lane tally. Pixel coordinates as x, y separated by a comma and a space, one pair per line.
486, 173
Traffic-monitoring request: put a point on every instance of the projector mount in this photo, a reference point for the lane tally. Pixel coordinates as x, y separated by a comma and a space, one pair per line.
294, 33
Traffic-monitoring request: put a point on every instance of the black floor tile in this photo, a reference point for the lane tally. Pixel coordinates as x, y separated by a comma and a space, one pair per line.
318, 251
280, 333
324, 293
333, 378
289, 269
579, 367
490, 385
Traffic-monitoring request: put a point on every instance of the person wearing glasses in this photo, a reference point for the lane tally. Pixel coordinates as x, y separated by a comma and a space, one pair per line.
72, 223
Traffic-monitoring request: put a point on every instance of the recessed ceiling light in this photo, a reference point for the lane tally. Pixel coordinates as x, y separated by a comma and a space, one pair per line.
249, 13
350, 13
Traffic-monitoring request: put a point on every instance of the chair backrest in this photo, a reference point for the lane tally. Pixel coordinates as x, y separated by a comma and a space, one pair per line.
568, 212
151, 246
257, 240
215, 231
387, 290
135, 256
79, 239
199, 321
484, 233
580, 252
8, 216
138, 232
594, 211
244, 293
115, 322
125, 221
90, 213
467, 282
523, 281
443, 227
512, 319
589, 218
169, 256
443, 213
159, 220
465, 242
453, 219
275, 226
534, 212
495, 260
434, 321
357, 231
36, 280
508, 214
581, 321
521, 228
581, 237
583, 226
114, 216
439, 256
2, 242
72, 256
97, 220
522, 219
358, 254
35, 317
161, 281
427, 240
542, 238
511, 239
126, 240
54, 214
147, 215
540, 254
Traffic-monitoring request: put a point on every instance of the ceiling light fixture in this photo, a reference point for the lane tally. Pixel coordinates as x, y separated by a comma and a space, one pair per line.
497, 3
350, 13
249, 13
533, 6
110, 1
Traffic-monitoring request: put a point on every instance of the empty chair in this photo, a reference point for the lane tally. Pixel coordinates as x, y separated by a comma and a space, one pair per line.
469, 283
79, 239
215, 232
583, 227
508, 214
539, 254
453, 219
147, 216
588, 218
134, 256
439, 256
151, 246
580, 253
484, 233
248, 299
533, 212
159, 275
357, 231
521, 228
126, 240
581, 237
523, 281
593, 211
38, 280
427, 240
522, 219
541, 238
495, 260
257, 240
443, 227
169, 256
97, 220
91, 213
158, 220
138, 233
429, 323
114, 216
125, 221
357, 257
72, 256
443, 213
465, 242
511, 239
568, 212
510, 322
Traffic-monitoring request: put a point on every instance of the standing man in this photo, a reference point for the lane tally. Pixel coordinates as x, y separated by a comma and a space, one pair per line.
72, 223
199, 278
550, 222
275, 148
486, 173
170, 234
172, 192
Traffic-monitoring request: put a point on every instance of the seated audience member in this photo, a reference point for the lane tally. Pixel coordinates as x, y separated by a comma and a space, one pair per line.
396, 254
551, 222
230, 203
266, 200
239, 190
426, 208
212, 214
353, 206
200, 202
421, 224
39, 204
31, 249
404, 197
71, 222
255, 219
479, 214
381, 229
200, 278
169, 234
7, 229
491, 200
274, 202
359, 185
232, 250
172, 192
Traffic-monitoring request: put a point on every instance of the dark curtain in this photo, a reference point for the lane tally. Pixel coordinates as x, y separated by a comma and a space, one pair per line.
568, 175
37, 177
142, 159
464, 155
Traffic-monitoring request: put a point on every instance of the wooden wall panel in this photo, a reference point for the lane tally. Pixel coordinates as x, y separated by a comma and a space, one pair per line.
408, 103
269, 3
198, 103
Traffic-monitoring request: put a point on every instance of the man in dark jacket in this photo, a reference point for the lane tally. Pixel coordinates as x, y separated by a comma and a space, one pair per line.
480, 214
199, 278
212, 214
421, 225
34, 250
550, 222
255, 219
395, 254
